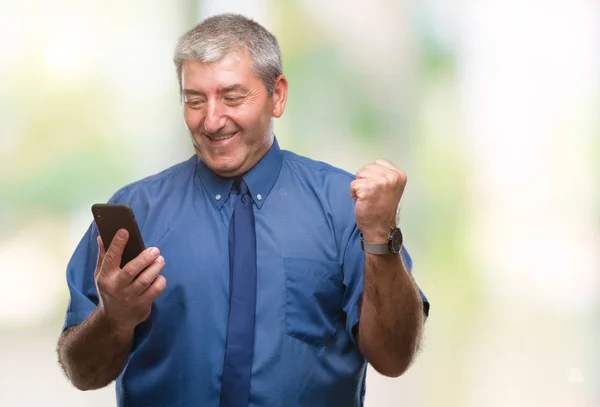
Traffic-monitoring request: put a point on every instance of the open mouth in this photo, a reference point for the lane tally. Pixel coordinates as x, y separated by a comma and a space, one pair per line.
216, 139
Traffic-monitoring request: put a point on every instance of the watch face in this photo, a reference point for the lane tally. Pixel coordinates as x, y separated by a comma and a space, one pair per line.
396, 241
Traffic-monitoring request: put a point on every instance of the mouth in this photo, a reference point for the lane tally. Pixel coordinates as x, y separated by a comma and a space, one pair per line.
222, 140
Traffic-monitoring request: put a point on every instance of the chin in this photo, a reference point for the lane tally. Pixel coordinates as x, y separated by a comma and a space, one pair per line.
224, 166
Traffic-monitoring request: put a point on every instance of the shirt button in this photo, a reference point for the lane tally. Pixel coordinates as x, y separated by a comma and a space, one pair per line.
259, 197
218, 197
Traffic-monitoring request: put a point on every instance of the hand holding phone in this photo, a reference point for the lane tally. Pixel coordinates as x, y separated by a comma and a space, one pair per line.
112, 217
127, 274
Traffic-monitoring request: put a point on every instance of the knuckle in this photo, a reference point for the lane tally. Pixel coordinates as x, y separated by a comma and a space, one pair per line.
110, 257
385, 163
403, 177
130, 271
144, 279
392, 178
161, 283
147, 277
119, 242
148, 256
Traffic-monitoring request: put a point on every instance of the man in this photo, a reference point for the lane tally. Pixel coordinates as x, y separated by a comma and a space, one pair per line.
255, 289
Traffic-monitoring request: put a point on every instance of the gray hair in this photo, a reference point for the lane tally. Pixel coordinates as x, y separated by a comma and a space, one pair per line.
219, 36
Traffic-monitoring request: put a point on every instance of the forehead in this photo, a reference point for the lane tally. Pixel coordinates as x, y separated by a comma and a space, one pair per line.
235, 68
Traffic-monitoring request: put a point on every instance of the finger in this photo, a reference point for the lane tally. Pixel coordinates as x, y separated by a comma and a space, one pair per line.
101, 254
389, 165
353, 187
379, 172
132, 269
359, 188
364, 172
373, 171
112, 258
386, 163
147, 277
155, 289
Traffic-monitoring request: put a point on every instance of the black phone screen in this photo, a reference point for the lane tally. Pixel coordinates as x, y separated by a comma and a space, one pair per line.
109, 219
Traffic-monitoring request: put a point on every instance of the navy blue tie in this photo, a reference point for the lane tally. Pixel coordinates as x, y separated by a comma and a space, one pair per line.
235, 387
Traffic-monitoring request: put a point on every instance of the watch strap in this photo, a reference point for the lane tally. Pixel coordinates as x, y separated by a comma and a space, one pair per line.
393, 244
376, 248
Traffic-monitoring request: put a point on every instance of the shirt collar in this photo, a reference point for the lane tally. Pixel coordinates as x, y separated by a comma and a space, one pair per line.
260, 178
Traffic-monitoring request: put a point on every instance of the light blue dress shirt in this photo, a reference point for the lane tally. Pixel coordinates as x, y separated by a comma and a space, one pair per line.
309, 283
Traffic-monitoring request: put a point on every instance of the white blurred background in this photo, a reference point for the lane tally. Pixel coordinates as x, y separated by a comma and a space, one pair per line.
491, 107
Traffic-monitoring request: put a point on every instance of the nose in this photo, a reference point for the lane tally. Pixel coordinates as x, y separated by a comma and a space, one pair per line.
214, 120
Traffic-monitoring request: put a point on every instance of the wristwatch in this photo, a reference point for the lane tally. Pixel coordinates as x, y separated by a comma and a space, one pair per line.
393, 244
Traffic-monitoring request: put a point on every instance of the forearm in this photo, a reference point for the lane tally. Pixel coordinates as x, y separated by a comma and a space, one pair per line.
94, 352
391, 319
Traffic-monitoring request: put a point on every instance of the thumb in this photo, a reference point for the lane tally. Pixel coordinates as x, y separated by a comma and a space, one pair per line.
101, 254
353, 188
357, 188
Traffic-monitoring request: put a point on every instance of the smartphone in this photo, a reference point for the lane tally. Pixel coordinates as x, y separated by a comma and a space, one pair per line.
112, 217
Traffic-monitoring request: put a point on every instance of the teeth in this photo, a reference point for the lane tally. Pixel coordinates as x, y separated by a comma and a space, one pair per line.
222, 138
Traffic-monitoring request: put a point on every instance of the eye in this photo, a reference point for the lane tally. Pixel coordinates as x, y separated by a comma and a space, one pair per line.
195, 103
233, 100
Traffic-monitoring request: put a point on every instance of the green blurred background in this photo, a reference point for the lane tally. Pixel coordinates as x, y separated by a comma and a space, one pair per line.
491, 107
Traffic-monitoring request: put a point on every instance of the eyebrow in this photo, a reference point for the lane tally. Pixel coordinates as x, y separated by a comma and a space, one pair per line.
234, 88
231, 88
193, 92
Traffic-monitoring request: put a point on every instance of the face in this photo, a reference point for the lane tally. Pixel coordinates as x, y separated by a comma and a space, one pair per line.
228, 112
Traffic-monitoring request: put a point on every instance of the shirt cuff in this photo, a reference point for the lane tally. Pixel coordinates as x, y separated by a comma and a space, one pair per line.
76, 317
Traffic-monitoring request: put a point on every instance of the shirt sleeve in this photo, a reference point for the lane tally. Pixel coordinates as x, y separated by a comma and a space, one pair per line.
409, 265
353, 275
80, 279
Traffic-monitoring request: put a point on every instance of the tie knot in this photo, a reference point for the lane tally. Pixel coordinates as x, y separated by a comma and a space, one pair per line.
241, 187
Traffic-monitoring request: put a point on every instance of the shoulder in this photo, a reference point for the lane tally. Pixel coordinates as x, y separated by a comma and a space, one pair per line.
313, 169
328, 184
160, 183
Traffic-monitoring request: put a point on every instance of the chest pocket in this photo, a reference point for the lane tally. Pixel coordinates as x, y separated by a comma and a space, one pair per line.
314, 292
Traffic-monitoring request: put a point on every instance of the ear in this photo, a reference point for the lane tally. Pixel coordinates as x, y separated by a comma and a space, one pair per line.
279, 96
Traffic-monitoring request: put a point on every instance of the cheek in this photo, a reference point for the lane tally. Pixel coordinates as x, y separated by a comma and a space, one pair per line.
192, 118
250, 117
240, 114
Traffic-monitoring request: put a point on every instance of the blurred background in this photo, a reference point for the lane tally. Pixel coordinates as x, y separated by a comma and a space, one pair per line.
491, 107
